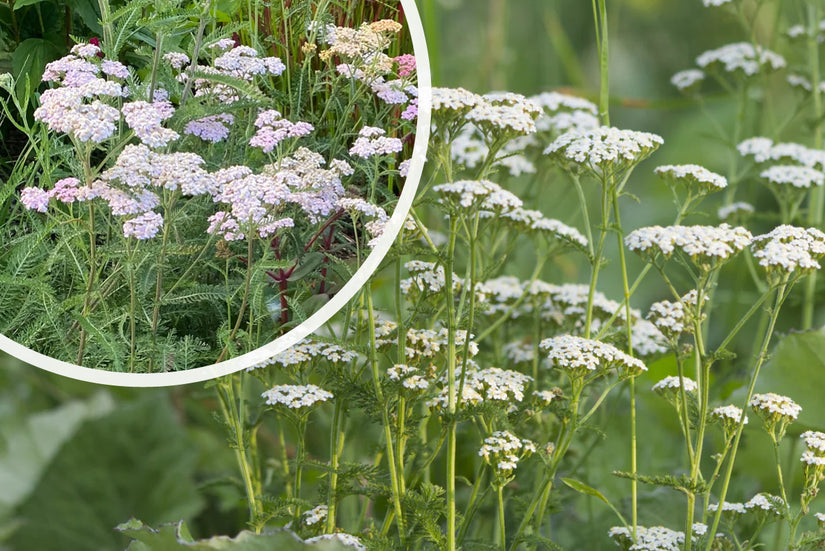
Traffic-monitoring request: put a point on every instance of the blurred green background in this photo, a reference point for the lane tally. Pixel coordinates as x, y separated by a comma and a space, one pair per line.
76, 459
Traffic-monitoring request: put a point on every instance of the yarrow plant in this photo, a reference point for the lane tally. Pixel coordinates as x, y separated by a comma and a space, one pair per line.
204, 197
524, 370
550, 356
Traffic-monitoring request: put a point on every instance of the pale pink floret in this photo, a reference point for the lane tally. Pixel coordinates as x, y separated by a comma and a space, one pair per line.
65, 190
145, 226
34, 198
406, 64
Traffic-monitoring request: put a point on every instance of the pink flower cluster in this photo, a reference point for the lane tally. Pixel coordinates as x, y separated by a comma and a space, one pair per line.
76, 107
211, 129
255, 202
240, 62
273, 129
146, 119
406, 64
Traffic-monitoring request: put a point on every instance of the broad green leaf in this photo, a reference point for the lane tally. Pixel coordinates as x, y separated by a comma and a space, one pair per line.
176, 537
22, 3
29, 447
135, 461
89, 12
28, 62
797, 369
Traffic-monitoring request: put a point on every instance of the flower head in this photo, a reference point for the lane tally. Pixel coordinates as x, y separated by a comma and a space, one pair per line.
692, 176
741, 58
788, 250
580, 356
705, 246
605, 149
298, 397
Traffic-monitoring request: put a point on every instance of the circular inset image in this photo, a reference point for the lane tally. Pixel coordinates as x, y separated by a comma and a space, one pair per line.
190, 193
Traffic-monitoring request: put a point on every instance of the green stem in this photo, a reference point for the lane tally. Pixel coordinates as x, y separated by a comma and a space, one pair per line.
300, 452
780, 298
379, 393
501, 524
250, 250
816, 203
336, 446
451, 387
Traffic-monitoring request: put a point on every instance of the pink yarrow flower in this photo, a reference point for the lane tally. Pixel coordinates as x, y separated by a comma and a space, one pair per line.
34, 198
273, 129
406, 64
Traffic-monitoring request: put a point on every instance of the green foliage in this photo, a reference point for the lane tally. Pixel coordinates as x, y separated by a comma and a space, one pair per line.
176, 537
136, 460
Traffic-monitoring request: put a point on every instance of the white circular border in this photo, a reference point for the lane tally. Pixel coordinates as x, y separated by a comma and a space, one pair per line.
320, 317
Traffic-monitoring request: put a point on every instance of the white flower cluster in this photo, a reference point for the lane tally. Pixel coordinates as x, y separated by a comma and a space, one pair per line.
654, 538
815, 453
546, 397
428, 343
674, 318
730, 414
814, 441
468, 148
715, 3
673, 383
739, 208
477, 193
801, 31
372, 141
296, 396
408, 376
766, 502
582, 356
786, 249
775, 405
535, 221
684, 80
693, 175
503, 450
345, 540
801, 177
605, 148
798, 81
306, 351
491, 384
518, 352
563, 113
498, 384
429, 278
702, 244
729, 507
763, 150
315, 515
510, 114
741, 56
457, 100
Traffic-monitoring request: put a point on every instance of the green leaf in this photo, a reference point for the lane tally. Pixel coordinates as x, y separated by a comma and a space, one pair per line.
794, 370
583, 488
89, 12
29, 447
29, 60
176, 537
22, 3
135, 461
